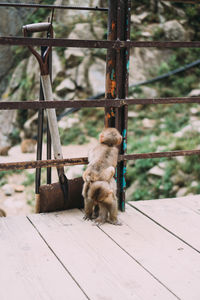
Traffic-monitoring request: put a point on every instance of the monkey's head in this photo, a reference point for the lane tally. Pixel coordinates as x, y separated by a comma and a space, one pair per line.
110, 137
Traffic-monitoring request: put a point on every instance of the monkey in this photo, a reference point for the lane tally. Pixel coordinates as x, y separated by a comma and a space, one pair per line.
28, 146
103, 158
103, 194
2, 213
4, 150
101, 168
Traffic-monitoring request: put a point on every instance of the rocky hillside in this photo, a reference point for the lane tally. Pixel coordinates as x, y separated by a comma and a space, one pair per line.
155, 128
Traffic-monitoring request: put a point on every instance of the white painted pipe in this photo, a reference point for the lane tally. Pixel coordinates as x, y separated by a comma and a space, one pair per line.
52, 119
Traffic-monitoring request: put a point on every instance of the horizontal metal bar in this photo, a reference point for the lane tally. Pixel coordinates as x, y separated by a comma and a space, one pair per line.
52, 6
25, 41
93, 103
159, 154
43, 163
183, 1
84, 160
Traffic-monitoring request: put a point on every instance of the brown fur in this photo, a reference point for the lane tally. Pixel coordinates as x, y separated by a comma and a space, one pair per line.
103, 158
103, 194
28, 146
99, 185
2, 213
4, 150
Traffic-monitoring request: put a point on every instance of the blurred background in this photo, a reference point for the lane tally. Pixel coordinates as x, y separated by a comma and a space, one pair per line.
80, 74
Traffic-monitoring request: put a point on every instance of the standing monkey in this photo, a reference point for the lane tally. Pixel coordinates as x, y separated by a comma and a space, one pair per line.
99, 185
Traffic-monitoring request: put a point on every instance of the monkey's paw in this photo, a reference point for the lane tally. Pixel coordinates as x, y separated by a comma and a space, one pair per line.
116, 222
87, 218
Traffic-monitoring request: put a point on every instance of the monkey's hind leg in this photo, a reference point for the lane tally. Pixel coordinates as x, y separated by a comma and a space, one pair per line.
103, 214
113, 210
89, 204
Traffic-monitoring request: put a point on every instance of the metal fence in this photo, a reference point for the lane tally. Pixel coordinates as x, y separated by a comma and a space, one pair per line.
116, 104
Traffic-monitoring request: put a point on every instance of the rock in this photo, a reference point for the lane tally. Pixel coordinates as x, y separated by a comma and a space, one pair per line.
132, 114
28, 146
56, 65
148, 123
4, 150
194, 93
2, 213
181, 192
19, 188
194, 110
96, 76
194, 184
74, 171
149, 92
135, 20
17, 76
68, 122
65, 86
174, 31
156, 171
73, 57
8, 189
131, 190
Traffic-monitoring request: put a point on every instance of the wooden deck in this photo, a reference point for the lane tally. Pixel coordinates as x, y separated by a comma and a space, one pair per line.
155, 254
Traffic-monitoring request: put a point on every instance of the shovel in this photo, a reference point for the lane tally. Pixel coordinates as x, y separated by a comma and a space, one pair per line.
65, 194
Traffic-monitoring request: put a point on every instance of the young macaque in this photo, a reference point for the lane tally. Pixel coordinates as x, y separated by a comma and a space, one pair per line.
4, 150
2, 213
28, 146
103, 194
99, 184
103, 158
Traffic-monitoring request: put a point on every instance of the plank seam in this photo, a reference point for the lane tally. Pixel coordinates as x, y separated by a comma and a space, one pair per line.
58, 258
138, 263
163, 227
135, 260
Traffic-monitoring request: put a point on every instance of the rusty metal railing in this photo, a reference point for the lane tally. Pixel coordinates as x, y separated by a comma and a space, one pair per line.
117, 70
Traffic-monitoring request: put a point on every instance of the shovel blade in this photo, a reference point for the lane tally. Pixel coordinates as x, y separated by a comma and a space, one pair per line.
51, 197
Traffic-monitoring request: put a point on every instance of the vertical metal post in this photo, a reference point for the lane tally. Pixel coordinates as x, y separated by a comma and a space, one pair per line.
40, 131
48, 131
111, 63
39, 135
122, 75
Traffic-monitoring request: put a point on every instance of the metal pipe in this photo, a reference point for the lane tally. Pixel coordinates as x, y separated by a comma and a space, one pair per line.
27, 41
53, 6
84, 160
95, 103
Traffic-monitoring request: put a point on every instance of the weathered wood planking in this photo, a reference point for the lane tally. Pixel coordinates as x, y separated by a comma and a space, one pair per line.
102, 268
170, 260
29, 269
182, 220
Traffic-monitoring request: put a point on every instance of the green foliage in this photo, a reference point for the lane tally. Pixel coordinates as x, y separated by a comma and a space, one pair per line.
74, 135
30, 179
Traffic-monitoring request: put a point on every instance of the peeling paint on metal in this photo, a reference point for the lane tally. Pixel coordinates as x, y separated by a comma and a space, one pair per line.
123, 178
112, 74
127, 65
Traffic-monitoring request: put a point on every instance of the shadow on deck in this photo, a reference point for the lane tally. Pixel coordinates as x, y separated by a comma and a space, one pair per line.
155, 254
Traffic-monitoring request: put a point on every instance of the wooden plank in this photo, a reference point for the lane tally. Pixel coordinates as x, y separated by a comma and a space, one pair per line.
29, 269
102, 268
173, 215
175, 264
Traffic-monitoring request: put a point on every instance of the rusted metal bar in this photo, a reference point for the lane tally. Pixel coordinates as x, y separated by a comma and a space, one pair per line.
43, 163
95, 103
53, 6
184, 1
26, 41
159, 154
122, 75
84, 160
110, 92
